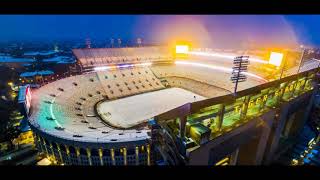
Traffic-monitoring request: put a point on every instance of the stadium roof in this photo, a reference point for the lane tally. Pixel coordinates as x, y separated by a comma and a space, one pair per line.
59, 59
7, 59
34, 53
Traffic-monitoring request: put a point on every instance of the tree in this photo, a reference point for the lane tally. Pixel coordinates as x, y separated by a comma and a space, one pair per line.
11, 133
8, 106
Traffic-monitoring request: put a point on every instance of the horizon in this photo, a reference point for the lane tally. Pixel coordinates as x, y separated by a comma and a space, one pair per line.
210, 30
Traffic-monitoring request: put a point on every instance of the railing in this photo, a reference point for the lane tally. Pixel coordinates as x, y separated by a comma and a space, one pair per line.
219, 115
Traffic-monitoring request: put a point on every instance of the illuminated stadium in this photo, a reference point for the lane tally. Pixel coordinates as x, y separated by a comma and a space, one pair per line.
134, 106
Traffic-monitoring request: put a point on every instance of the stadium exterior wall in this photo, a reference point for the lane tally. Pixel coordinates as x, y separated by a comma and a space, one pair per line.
69, 152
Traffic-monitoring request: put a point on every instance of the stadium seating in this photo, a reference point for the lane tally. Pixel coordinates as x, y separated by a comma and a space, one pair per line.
126, 82
106, 56
200, 88
69, 103
220, 80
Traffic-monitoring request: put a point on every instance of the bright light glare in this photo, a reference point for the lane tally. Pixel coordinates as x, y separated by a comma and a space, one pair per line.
143, 64
103, 68
219, 68
275, 58
225, 56
182, 49
125, 65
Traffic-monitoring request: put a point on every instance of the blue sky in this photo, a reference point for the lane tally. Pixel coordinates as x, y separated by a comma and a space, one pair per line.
214, 29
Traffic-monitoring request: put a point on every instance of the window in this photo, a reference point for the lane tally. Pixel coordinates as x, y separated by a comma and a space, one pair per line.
114, 76
146, 72
120, 90
123, 75
117, 84
106, 77
139, 81
109, 86
133, 82
139, 72
137, 87
126, 83
129, 89
111, 92
143, 86
132, 73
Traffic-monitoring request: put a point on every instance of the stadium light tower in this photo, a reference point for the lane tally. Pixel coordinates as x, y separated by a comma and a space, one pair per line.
119, 42
139, 41
240, 65
276, 59
88, 43
112, 42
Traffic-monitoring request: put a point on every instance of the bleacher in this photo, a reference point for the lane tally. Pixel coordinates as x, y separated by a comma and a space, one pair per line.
206, 76
128, 82
200, 88
66, 107
108, 56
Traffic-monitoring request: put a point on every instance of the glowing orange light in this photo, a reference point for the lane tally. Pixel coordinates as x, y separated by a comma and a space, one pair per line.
182, 49
276, 58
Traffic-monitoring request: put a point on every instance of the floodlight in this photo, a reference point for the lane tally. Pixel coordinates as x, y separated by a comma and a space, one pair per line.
182, 49
276, 58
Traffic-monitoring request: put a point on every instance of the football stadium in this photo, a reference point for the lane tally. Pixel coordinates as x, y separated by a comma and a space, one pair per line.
170, 105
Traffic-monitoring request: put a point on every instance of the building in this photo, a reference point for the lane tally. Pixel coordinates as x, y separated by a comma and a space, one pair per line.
139, 106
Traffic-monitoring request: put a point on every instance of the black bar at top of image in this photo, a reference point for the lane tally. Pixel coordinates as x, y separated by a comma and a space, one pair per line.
159, 6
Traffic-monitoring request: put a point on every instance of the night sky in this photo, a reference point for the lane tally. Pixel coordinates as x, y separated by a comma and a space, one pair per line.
211, 30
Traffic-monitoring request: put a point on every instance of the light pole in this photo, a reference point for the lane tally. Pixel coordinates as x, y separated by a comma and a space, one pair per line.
301, 59
282, 69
